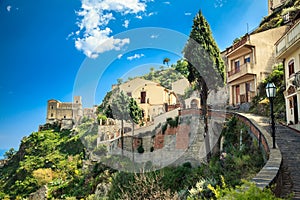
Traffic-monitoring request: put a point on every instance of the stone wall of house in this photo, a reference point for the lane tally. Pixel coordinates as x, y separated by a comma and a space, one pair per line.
40, 194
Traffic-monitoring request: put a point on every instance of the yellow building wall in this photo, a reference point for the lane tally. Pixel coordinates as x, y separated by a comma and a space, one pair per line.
261, 50
290, 108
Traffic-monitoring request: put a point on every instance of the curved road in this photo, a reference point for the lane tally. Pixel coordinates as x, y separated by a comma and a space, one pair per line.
288, 141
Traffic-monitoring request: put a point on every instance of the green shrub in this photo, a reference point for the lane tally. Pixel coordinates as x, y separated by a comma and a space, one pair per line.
102, 118
164, 128
141, 149
246, 191
151, 149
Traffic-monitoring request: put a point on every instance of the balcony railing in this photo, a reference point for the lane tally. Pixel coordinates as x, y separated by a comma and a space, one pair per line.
285, 42
240, 71
234, 71
239, 43
240, 68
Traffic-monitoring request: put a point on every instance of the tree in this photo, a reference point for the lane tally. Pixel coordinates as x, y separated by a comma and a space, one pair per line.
119, 108
105, 108
205, 68
120, 81
136, 116
166, 61
10, 153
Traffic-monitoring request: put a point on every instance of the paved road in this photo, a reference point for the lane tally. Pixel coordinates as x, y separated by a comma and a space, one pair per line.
288, 141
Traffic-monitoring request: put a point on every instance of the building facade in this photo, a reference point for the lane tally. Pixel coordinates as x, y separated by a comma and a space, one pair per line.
180, 86
248, 62
288, 52
273, 4
150, 96
66, 113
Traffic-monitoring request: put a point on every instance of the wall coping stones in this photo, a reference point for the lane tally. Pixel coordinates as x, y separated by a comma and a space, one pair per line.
269, 173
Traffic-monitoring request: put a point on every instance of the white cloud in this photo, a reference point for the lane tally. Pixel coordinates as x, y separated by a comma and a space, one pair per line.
146, 15
150, 14
187, 13
120, 56
219, 3
167, 2
135, 56
126, 23
98, 42
154, 36
93, 36
8, 8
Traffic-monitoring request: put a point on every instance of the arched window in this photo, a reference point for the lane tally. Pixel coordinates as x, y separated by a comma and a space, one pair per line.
194, 103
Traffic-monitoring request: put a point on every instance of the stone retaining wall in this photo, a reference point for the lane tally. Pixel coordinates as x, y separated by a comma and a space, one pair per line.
269, 174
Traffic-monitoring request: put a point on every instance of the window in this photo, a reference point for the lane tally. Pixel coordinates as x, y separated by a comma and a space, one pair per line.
64, 116
247, 59
129, 94
291, 103
52, 107
291, 67
143, 97
51, 114
237, 66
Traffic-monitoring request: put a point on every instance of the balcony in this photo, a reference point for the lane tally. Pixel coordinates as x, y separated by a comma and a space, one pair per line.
287, 42
243, 70
243, 41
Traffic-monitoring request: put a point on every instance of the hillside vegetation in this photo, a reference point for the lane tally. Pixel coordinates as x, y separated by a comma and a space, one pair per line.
291, 7
59, 160
261, 104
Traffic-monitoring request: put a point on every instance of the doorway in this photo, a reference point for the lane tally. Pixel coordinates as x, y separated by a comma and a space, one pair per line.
237, 94
295, 101
247, 92
143, 97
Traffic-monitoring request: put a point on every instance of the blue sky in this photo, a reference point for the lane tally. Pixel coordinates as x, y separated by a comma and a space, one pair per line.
55, 49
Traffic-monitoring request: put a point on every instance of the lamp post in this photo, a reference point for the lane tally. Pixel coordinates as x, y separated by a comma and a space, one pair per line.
271, 93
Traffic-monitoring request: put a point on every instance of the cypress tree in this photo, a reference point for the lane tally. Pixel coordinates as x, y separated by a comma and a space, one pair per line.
205, 66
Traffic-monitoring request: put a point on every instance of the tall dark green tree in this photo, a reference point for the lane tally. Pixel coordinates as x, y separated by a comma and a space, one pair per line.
136, 116
105, 108
10, 153
119, 106
205, 66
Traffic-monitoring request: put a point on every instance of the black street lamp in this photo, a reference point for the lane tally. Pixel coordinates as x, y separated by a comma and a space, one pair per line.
271, 93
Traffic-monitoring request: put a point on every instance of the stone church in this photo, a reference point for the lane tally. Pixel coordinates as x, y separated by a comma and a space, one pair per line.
68, 114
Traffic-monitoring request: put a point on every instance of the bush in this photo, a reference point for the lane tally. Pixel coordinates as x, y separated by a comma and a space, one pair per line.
141, 149
146, 186
100, 150
246, 191
151, 149
102, 118
164, 128
43, 175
